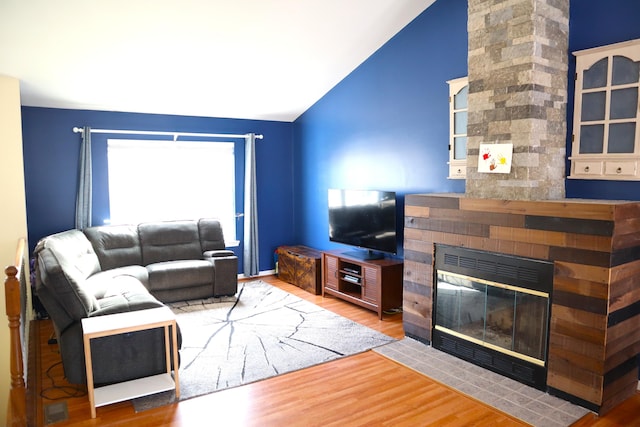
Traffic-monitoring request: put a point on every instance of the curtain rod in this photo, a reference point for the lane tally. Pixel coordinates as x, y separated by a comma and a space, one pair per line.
174, 134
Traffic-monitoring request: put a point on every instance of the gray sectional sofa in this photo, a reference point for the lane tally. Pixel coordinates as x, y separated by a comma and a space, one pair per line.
113, 269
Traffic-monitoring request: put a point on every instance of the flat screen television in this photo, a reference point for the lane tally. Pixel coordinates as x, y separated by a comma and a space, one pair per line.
365, 219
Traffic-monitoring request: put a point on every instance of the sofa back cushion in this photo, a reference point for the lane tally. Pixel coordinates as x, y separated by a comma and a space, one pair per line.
169, 240
115, 245
211, 237
65, 261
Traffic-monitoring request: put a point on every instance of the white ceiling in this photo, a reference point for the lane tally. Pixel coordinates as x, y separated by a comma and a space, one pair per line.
250, 59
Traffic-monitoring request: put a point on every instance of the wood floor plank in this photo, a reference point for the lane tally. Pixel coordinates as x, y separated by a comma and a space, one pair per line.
362, 390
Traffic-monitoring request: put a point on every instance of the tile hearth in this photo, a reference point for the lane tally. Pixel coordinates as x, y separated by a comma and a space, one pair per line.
523, 402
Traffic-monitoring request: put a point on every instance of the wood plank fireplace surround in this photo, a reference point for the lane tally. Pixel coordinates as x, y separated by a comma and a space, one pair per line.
594, 333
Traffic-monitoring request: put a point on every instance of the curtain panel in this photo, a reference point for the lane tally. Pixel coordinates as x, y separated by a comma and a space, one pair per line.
84, 194
250, 247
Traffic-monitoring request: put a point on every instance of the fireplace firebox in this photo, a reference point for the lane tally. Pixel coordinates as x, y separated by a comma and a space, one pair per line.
493, 310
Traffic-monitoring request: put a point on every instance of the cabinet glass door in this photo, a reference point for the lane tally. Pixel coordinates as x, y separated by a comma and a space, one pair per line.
609, 107
460, 105
458, 119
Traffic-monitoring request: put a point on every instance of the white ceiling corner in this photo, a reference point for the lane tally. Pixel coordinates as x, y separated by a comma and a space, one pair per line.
249, 59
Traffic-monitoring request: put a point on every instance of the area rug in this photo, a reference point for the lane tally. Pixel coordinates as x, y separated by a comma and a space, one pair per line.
261, 332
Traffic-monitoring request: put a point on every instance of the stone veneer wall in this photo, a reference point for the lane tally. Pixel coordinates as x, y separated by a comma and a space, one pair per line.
517, 93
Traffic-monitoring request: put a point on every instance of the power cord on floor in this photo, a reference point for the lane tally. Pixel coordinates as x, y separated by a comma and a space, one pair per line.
393, 311
59, 392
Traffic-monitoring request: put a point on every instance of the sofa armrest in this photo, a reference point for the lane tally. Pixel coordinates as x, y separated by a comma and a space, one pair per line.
225, 274
217, 253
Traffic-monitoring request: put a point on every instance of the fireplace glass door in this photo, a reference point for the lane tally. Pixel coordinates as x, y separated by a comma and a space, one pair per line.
502, 317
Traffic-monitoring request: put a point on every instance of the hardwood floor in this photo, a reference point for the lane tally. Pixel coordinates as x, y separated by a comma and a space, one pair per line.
365, 389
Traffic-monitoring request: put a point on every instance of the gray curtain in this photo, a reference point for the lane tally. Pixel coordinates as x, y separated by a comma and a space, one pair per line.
83, 198
250, 254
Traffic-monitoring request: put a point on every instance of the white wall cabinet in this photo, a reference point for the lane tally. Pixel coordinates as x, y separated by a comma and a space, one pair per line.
606, 131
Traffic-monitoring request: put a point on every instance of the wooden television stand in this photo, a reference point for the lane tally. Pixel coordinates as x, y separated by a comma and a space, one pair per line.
373, 284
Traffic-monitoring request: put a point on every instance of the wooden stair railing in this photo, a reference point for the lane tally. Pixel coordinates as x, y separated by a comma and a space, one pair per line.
16, 409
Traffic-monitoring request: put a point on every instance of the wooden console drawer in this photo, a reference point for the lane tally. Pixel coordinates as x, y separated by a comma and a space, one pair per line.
620, 168
300, 266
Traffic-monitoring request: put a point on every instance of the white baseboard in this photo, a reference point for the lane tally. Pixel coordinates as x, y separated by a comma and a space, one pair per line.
261, 273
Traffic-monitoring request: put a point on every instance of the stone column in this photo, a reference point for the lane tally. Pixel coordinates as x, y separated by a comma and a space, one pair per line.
518, 56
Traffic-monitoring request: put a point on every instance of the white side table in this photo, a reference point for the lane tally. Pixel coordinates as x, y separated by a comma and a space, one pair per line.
120, 323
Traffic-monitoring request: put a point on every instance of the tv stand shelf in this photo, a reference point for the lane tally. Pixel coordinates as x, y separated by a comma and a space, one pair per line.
372, 284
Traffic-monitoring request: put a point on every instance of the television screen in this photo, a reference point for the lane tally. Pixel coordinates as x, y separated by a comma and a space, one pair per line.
365, 219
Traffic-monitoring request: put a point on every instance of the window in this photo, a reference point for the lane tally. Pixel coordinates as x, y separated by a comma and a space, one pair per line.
165, 180
605, 121
458, 106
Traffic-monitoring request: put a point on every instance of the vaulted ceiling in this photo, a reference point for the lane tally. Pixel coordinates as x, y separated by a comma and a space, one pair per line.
250, 59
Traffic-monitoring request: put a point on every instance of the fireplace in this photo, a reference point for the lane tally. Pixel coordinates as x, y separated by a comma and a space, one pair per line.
493, 310
518, 83
594, 309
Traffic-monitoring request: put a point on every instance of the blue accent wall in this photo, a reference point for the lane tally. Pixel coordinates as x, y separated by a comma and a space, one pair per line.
595, 23
51, 152
386, 125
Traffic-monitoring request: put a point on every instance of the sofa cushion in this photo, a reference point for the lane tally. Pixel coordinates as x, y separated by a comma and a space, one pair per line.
180, 274
169, 240
125, 293
65, 261
115, 245
211, 237
100, 284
